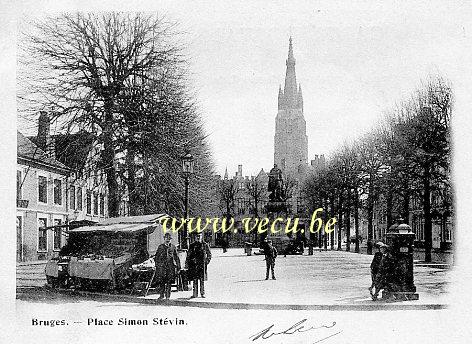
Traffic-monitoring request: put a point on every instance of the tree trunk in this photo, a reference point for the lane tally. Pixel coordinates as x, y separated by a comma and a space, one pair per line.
370, 217
406, 201
340, 221
389, 205
131, 182
348, 220
332, 215
321, 233
109, 162
428, 225
356, 218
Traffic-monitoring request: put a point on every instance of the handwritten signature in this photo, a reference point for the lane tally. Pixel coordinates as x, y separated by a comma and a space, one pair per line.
298, 327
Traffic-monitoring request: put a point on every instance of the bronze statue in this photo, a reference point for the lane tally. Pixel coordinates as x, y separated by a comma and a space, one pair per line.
275, 186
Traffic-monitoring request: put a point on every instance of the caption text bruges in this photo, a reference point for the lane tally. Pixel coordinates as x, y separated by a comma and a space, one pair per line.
111, 322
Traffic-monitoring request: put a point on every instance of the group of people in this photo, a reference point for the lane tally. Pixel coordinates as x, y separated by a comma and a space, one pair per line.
199, 255
168, 265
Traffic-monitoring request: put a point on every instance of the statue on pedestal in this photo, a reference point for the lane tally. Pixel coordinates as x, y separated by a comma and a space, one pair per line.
275, 187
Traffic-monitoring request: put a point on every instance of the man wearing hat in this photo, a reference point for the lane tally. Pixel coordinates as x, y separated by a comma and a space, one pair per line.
384, 270
270, 253
198, 257
374, 266
167, 265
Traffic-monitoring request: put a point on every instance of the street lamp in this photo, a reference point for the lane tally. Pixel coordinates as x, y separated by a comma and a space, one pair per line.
187, 169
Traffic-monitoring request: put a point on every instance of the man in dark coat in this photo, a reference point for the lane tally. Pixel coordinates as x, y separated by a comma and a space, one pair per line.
374, 266
167, 265
198, 257
385, 272
270, 253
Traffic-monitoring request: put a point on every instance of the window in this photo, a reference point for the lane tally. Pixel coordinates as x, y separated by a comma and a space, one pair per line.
418, 227
72, 197
447, 231
57, 234
102, 204
79, 198
57, 191
42, 189
89, 202
18, 184
95, 203
42, 234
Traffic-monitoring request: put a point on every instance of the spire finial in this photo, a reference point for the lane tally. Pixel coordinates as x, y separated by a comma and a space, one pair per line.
290, 48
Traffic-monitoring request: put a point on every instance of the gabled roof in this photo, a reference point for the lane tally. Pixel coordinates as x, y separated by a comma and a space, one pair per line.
26, 149
71, 149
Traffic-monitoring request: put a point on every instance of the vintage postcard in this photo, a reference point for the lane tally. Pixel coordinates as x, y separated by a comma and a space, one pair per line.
236, 172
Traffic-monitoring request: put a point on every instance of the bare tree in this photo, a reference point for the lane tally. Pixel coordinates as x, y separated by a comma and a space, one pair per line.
78, 65
120, 76
228, 189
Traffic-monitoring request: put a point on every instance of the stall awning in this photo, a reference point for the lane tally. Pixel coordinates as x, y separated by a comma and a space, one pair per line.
118, 227
125, 224
153, 218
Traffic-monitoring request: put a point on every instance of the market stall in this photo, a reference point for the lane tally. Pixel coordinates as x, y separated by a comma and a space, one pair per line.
103, 255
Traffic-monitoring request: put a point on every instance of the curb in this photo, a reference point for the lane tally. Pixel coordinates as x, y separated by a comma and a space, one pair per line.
231, 305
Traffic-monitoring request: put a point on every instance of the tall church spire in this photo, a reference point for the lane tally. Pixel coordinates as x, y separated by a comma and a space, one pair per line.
290, 89
290, 139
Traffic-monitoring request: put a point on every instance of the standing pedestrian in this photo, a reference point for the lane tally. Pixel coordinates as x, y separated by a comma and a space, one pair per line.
385, 272
270, 253
198, 257
224, 244
167, 266
374, 266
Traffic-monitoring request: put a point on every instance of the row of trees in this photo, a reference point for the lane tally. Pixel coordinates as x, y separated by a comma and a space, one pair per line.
406, 157
123, 78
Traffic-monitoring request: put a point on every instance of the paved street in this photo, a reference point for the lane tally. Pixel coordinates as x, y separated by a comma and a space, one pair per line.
327, 277
335, 280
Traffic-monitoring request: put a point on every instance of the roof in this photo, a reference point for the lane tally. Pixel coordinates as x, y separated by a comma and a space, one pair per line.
71, 149
132, 219
116, 228
125, 224
28, 150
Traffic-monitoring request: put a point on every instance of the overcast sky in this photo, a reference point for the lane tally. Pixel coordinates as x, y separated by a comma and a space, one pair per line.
353, 65
353, 62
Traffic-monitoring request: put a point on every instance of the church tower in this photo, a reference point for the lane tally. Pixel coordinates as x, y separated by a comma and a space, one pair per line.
290, 141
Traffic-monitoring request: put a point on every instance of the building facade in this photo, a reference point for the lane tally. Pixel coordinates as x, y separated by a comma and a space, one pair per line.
57, 183
41, 202
241, 197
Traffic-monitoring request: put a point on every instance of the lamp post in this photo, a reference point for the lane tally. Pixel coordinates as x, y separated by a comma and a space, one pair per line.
187, 169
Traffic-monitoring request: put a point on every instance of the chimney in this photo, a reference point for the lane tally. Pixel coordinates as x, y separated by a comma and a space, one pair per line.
240, 170
44, 140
